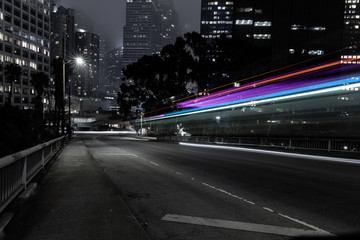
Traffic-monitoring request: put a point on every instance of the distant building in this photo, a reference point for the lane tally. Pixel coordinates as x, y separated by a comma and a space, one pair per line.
103, 63
217, 17
62, 32
25, 41
114, 71
139, 29
167, 24
86, 80
150, 25
351, 31
278, 32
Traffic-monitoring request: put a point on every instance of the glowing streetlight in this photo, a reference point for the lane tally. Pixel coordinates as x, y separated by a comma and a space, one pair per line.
79, 61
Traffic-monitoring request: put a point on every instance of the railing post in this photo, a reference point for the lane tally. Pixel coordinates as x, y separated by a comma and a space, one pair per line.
289, 143
24, 173
329, 145
43, 158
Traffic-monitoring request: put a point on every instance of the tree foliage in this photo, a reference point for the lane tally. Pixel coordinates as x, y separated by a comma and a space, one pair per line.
12, 74
188, 66
40, 81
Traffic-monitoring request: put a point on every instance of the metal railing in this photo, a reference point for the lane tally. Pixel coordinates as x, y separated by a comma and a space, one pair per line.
330, 145
17, 170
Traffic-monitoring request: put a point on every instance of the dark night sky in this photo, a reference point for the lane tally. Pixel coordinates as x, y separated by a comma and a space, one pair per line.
108, 16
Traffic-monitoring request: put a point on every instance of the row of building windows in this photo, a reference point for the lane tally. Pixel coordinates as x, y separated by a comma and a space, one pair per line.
216, 22
24, 44
309, 52
17, 90
35, 10
217, 3
351, 1
296, 27
24, 63
24, 100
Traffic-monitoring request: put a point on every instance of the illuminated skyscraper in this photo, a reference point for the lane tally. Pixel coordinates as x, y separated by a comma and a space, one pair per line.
62, 32
278, 32
351, 31
139, 29
25, 41
217, 18
86, 82
166, 25
150, 25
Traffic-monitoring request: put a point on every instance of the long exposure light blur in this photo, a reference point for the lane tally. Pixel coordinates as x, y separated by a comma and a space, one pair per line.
264, 82
287, 94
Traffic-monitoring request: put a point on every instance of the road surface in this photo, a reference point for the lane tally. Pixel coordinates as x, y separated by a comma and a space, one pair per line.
198, 192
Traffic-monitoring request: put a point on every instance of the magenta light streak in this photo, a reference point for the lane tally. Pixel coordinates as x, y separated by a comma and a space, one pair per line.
228, 91
254, 92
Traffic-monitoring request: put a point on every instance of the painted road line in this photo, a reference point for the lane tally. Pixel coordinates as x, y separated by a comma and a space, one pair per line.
268, 209
305, 156
242, 226
306, 224
154, 164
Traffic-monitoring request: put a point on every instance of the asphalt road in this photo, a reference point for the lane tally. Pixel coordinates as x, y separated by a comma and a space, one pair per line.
187, 192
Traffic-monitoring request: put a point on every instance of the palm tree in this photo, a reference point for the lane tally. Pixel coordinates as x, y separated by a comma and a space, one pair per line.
40, 81
12, 73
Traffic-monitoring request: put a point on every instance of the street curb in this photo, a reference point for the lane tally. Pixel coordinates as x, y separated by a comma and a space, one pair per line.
4, 221
8, 216
29, 192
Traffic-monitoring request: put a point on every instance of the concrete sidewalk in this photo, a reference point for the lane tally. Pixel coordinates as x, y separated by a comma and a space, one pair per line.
75, 200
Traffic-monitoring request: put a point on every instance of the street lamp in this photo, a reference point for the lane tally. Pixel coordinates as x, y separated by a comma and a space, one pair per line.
77, 61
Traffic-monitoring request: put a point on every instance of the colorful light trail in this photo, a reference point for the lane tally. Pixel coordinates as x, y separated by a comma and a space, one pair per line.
269, 93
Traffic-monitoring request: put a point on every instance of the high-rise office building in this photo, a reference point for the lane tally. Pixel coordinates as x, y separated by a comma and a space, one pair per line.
103, 63
167, 24
25, 41
114, 70
62, 32
139, 29
277, 32
216, 18
150, 25
86, 81
351, 48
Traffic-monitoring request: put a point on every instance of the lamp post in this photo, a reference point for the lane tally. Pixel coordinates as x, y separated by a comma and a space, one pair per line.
141, 118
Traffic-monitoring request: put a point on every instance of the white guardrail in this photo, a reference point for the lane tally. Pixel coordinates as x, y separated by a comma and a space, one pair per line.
18, 169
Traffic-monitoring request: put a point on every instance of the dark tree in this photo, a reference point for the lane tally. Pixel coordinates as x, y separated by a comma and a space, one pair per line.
40, 82
57, 69
12, 74
183, 69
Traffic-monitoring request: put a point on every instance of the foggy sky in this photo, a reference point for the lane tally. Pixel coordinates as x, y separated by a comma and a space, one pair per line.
108, 16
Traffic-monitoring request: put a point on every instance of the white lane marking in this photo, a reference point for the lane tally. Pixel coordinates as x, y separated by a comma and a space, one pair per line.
154, 163
242, 226
311, 157
223, 191
268, 209
179, 173
305, 224
247, 201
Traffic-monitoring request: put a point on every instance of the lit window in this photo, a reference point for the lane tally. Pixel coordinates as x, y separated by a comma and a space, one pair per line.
245, 9
317, 28
262, 24
262, 36
244, 22
316, 52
